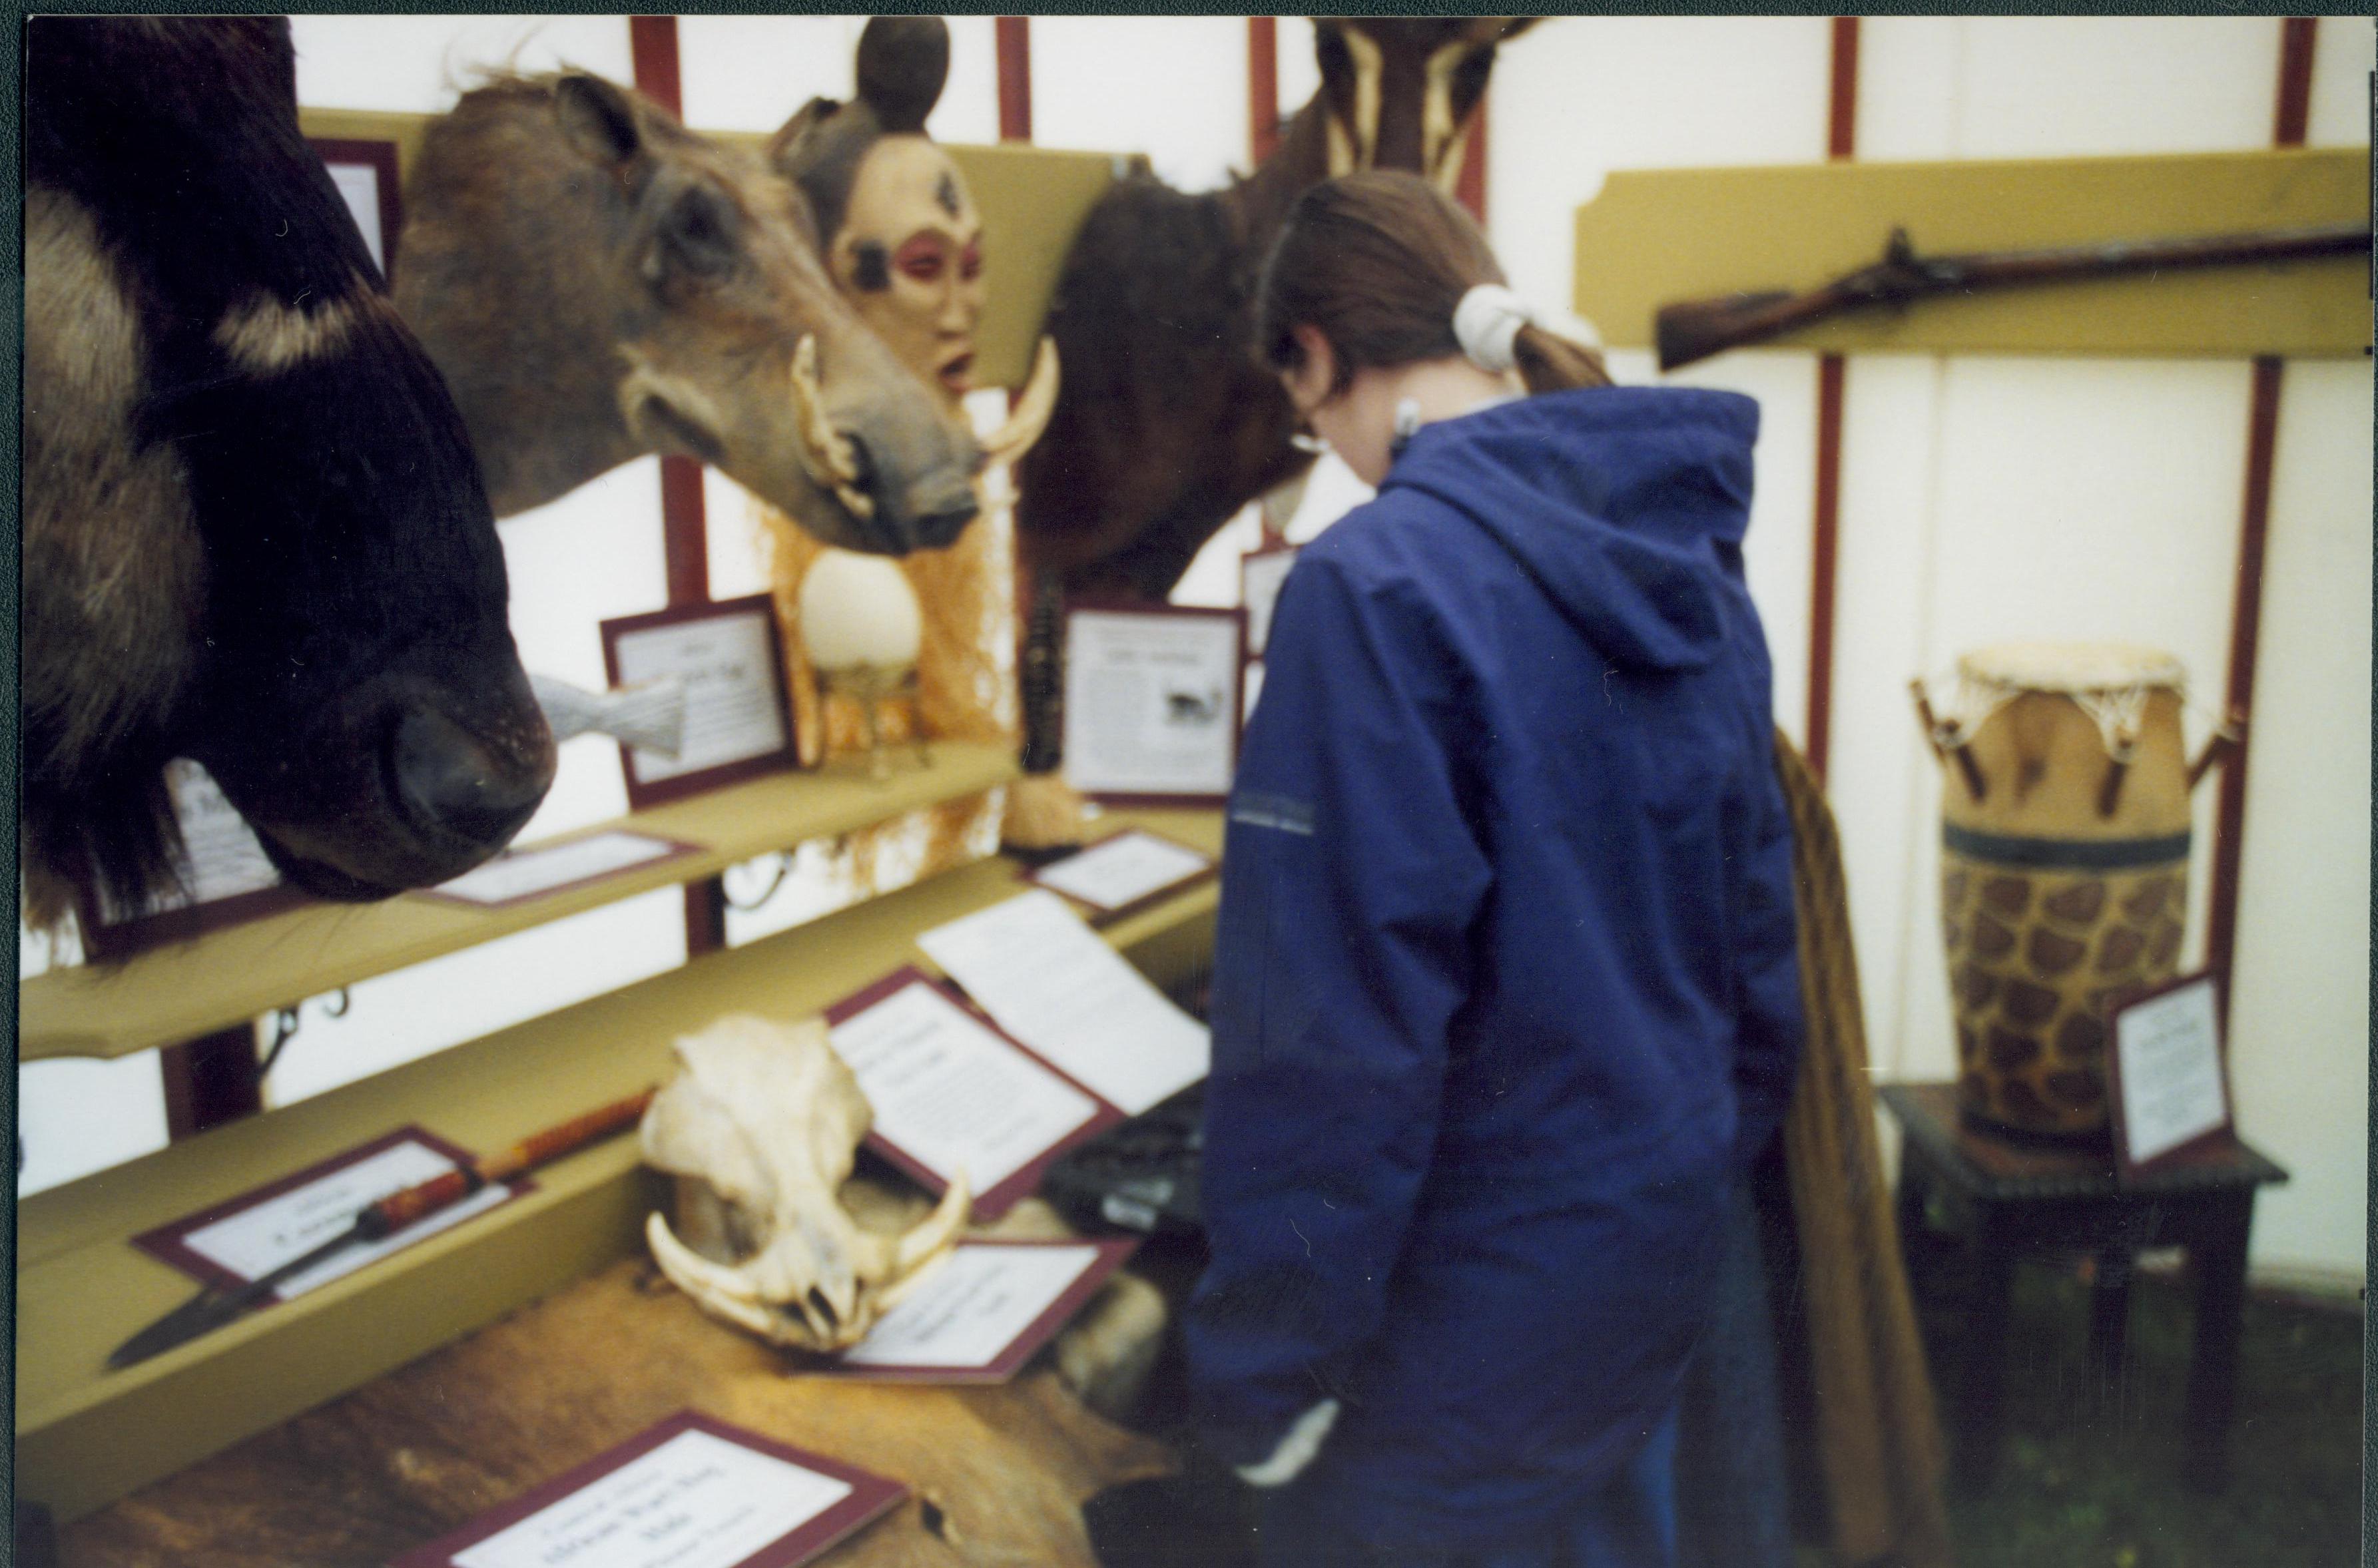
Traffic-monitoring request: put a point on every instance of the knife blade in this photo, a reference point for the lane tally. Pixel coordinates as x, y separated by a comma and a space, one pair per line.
214, 1307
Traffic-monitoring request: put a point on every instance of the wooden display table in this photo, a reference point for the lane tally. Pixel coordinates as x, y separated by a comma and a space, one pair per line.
995, 1474
2007, 1201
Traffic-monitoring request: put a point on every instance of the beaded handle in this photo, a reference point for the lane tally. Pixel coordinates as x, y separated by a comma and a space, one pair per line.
398, 1210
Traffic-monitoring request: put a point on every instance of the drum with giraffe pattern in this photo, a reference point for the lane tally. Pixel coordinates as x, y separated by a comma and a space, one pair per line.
2064, 852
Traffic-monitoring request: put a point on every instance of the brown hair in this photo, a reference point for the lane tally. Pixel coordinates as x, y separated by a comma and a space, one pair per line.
1376, 261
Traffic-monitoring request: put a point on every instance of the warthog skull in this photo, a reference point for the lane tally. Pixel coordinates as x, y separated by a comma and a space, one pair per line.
761, 1126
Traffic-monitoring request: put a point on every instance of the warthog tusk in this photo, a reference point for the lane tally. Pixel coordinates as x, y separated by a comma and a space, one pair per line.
826, 452
1013, 440
714, 1285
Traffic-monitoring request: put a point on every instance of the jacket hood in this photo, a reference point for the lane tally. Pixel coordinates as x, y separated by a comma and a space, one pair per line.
1627, 505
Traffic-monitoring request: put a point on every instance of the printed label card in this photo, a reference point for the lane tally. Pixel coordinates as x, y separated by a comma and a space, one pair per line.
248, 1237
737, 722
984, 1312
1119, 874
2164, 1079
1152, 703
519, 875
950, 1092
693, 1493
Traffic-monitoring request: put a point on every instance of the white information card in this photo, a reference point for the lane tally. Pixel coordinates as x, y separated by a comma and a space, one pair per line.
974, 1306
2170, 1070
520, 874
1118, 872
1152, 701
258, 1240
950, 1093
1049, 980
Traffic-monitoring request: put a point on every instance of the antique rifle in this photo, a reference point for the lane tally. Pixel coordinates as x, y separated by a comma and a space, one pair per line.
1697, 328
212, 1308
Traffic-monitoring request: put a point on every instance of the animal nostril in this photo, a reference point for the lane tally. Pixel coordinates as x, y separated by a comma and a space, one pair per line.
940, 527
452, 782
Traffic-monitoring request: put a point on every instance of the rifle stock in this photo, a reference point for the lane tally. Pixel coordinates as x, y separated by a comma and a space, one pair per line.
1696, 329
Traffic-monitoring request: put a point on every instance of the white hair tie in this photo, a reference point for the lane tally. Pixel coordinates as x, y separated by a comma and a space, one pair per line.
1487, 322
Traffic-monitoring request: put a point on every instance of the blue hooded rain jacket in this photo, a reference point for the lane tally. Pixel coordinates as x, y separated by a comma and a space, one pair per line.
1506, 993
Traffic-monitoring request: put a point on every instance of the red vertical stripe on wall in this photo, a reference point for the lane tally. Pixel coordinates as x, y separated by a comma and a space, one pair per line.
651, 46
1263, 87
1014, 39
1824, 545
2297, 37
685, 526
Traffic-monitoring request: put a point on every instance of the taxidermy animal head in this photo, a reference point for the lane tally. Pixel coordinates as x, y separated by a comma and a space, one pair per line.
254, 531
1401, 93
596, 282
761, 1126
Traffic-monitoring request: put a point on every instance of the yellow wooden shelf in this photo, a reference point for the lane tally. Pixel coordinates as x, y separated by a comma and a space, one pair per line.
226, 978
1662, 236
86, 1436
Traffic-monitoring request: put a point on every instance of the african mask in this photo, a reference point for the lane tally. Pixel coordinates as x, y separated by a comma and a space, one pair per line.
909, 260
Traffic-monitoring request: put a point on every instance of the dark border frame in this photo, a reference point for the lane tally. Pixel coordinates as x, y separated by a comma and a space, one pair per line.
872, 1496
1024, 1179
166, 1244
1101, 916
1234, 700
642, 795
1113, 1252
2213, 1140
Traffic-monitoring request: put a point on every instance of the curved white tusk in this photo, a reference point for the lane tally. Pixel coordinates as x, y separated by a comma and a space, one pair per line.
715, 1287
938, 1231
826, 451
1013, 440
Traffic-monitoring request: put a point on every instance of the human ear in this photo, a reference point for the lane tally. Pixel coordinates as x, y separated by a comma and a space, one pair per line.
1314, 375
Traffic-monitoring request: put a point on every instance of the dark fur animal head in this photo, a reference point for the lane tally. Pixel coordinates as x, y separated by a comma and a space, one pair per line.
1401, 93
255, 535
596, 281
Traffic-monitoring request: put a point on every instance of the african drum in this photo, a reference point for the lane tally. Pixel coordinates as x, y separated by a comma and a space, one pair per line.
2064, 843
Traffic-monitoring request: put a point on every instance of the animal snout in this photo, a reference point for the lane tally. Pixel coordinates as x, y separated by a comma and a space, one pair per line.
454, 783
927, 512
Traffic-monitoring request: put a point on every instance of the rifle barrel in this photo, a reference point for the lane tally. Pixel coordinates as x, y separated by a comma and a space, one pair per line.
1694, 329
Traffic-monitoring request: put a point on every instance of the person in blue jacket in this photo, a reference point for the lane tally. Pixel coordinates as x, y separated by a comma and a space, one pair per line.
1506, 991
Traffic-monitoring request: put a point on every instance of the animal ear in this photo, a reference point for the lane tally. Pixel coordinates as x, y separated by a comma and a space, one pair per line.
784, 147
903, 60
598, 118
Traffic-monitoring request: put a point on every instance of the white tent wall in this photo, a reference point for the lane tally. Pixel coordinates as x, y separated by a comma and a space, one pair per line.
1981, 499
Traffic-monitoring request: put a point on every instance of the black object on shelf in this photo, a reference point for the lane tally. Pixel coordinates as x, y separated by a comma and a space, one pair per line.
1140, 1175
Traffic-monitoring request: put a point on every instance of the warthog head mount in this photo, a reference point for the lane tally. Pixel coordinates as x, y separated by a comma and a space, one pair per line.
761, 1128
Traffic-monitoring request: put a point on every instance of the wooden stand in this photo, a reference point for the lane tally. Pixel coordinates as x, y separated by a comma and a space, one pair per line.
2006, 1202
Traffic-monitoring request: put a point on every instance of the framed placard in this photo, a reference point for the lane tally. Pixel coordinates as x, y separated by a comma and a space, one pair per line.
1263, 571
691, 1492
2166, 1081
949, 1089
366, 174
984, 1312
1152, 703
227, 875
246, 1238
1122, 873
521, 875
737, 723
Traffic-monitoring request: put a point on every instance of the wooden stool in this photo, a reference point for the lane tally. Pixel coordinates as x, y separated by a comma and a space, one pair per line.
2008, 1200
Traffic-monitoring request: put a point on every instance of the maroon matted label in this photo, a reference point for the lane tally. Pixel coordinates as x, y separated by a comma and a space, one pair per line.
643, 793
1026, 1181
167, 1243
1234, 700
1101, 916
2200, 1147
1113, 1251
870, 1497
674, 849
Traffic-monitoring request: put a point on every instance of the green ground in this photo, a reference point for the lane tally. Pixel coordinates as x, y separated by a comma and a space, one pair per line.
2102, 1491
